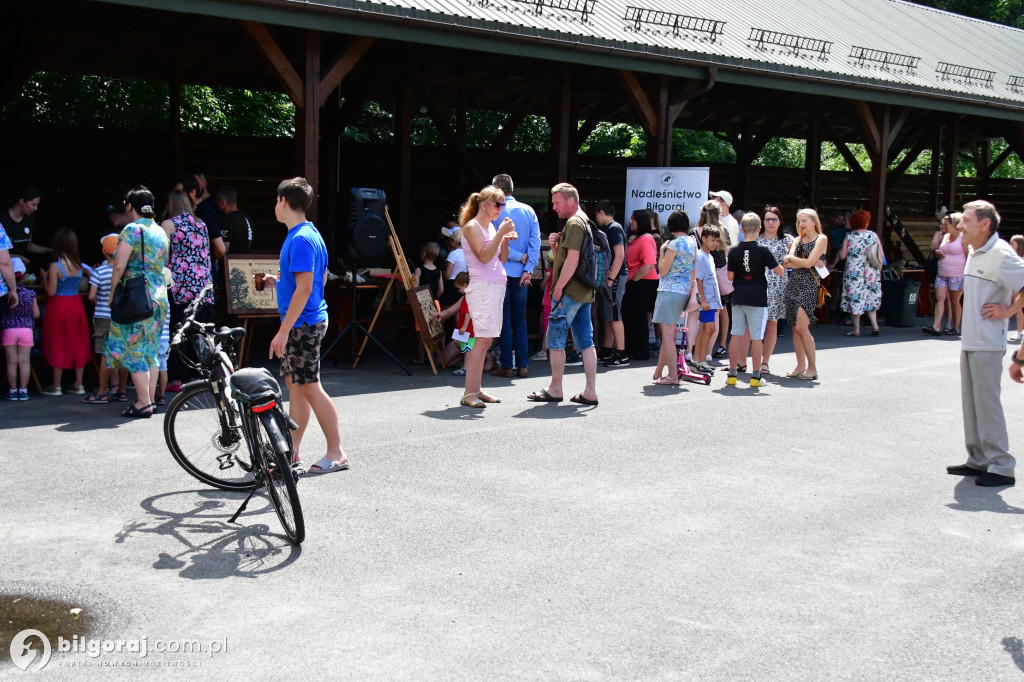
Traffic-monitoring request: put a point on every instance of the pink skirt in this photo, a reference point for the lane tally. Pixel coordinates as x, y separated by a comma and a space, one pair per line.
486, 301
66, 333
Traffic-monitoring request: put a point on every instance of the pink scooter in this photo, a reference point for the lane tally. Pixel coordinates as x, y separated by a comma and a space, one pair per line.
684, 369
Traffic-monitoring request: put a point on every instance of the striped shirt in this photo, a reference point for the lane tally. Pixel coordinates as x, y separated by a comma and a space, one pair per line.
100, 279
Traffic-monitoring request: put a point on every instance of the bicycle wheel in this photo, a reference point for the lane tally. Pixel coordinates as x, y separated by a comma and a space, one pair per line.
269, 428
195, 436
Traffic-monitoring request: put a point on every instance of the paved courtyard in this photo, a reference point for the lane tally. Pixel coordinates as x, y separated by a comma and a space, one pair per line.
796, 532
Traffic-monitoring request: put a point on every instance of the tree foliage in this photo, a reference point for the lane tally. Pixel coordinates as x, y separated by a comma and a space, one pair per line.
1009, 12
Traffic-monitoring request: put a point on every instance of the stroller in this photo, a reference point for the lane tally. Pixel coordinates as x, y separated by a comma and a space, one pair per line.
684, 369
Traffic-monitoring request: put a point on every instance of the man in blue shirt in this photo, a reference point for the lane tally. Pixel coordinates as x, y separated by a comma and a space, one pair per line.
300, 300
523, 254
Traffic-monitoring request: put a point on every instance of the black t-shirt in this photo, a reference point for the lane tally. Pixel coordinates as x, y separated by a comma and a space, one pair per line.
208, 213
616, 235
749, 260
236, 229
20, 234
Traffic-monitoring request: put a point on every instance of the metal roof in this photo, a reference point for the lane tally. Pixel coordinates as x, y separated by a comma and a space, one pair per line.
979, 60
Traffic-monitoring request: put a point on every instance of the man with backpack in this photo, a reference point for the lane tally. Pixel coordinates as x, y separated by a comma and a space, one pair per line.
575, 276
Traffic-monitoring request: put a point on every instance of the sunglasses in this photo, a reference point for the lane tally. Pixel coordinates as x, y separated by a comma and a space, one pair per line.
501, 205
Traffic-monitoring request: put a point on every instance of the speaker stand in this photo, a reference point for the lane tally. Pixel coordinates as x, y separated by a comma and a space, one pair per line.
354, 326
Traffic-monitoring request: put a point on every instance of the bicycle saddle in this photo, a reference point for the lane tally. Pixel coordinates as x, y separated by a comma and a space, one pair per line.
253, 384
233, 334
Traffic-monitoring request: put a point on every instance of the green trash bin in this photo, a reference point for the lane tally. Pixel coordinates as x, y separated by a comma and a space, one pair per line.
899, 302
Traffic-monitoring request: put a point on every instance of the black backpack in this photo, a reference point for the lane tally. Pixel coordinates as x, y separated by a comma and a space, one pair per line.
595, 257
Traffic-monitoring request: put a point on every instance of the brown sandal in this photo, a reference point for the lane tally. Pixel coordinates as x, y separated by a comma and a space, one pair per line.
488, 398
471, 400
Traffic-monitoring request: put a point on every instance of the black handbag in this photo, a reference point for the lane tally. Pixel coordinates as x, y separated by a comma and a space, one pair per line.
931, 268
132, 302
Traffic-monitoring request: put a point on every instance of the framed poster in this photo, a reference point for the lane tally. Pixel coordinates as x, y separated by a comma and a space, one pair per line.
423, 309
243, 299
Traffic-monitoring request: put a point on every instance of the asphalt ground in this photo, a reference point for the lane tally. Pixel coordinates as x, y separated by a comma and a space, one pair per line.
802, 531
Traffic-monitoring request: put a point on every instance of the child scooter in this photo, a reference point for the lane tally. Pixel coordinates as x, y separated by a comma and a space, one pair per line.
684, 369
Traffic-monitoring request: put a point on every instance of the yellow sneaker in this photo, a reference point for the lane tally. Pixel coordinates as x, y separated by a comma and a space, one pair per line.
731, 381
758, 383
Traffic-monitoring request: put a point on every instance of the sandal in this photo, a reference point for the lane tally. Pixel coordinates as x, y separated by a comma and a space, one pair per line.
460, 372
543, 396
853, 333
95, 399
471, 400
488, 398
875, 332
764, 368
665, 381
136, 413
794, 375
580, 399
160, 400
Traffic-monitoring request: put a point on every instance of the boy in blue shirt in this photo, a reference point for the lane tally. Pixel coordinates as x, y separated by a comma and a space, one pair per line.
707, 295
300, 301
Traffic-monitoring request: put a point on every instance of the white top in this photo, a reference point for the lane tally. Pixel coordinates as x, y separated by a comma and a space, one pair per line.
993, 274
458, 260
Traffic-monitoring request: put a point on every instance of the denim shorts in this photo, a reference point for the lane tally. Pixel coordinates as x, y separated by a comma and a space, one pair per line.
570, 314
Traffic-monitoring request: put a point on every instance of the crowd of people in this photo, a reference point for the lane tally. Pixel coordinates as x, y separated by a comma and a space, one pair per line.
660, 278
175, 258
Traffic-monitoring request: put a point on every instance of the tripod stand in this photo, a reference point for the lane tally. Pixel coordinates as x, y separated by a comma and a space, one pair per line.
354, 326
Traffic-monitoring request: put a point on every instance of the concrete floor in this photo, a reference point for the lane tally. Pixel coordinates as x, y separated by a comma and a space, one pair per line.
797, 532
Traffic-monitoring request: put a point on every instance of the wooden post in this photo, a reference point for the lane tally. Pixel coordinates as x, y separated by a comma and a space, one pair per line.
951, 145
311, 120
812, 159
404, 116
564, 116
880, 167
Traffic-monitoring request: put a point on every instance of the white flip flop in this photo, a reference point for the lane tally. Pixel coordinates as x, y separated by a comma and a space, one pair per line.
327, 466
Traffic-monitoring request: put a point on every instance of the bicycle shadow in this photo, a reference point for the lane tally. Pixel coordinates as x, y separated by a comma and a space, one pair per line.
209, 547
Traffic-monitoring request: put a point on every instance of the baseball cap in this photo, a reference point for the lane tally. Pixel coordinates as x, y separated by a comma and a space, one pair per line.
19, 266
109, 244
449, 231
723, 195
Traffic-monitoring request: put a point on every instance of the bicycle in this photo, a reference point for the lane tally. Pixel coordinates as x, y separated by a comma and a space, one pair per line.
207, 422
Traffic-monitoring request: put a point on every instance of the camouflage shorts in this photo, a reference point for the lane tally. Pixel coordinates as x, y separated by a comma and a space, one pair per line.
301, 359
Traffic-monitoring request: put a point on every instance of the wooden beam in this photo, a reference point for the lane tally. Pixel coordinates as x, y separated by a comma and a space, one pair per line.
866, 119
341, 67
900, 170
282, 69
769, 130
637, 99
897, 125
812, 159
994, 166
404, 115
311, 119
844, 151
880, 167
175, 115
520, 111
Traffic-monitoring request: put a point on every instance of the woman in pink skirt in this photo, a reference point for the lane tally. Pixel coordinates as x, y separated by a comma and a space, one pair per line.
486, 250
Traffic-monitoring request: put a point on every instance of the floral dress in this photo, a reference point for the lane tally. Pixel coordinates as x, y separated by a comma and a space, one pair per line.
136, 346
190, 259
777, 283
862, 284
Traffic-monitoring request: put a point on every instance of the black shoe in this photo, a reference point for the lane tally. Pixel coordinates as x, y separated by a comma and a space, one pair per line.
990, 480
573, 360
930, 331
720, 352
964, 470
619, 360
606, 354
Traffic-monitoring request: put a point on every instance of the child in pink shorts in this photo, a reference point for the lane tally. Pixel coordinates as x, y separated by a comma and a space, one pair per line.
17, 324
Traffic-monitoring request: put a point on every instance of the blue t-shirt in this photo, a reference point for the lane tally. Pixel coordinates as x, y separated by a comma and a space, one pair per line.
303, 251
677, 280
706, 274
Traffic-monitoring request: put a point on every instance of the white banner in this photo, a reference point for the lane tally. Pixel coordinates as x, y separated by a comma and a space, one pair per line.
665, 190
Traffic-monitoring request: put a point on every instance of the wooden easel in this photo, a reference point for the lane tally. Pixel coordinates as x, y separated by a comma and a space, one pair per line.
401, 270
249, 324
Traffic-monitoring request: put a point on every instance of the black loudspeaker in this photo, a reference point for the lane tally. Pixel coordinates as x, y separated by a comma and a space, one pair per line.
362, 234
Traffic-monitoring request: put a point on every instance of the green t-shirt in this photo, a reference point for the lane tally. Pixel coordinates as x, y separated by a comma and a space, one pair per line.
572, 238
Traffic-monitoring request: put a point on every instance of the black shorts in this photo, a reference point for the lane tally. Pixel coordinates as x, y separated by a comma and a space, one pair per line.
609, 299
301, 361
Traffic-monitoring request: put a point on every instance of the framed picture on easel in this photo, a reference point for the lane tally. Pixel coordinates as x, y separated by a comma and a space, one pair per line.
423, 309
242, 297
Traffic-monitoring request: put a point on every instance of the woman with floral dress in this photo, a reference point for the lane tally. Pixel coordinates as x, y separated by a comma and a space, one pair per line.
778, 242
191, 270
862, 283
142, 249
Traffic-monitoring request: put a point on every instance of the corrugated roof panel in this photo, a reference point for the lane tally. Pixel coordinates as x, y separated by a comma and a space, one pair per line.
888, 25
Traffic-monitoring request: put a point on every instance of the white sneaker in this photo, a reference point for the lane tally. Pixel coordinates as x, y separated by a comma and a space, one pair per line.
52, 391
1015, 338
